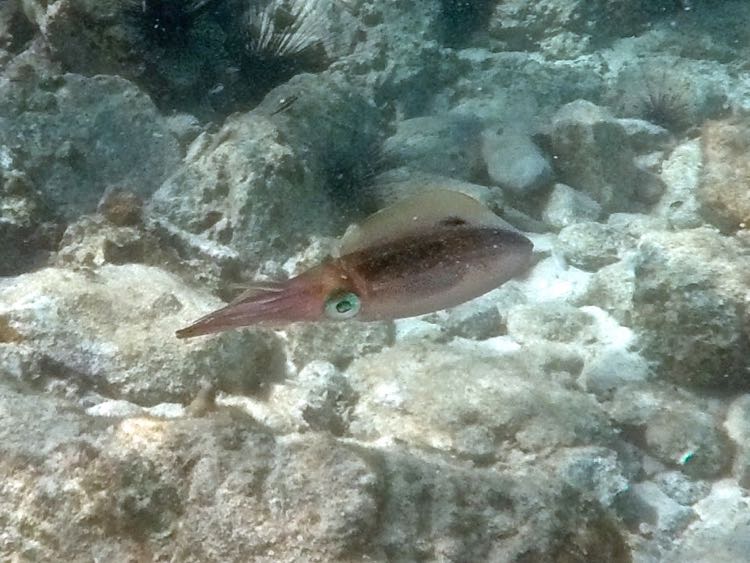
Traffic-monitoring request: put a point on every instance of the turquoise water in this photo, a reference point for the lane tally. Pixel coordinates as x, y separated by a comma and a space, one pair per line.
398, 375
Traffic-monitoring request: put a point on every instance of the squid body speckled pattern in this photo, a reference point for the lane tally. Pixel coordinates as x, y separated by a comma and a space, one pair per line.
425, 253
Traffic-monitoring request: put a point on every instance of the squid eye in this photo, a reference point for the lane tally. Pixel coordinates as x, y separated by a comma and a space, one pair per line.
342, 305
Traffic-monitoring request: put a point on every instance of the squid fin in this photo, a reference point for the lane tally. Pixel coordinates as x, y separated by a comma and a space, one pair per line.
431, 209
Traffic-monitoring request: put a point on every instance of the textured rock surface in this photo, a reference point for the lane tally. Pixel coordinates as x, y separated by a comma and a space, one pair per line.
393, 403
79, 135
248, 191
723, 188
592, 154
549, 420
582, 24
25, 228
447, 145
690, 304
678, 429
737, 426
681, 172
721, 533
66, 319
338, 343
566, 206
224, 488
589, 245
515, 163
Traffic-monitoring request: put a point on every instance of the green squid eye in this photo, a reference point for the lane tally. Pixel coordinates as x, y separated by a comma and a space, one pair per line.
342, 305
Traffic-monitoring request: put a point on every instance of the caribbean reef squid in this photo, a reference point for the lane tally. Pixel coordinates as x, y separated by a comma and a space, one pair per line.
424, 253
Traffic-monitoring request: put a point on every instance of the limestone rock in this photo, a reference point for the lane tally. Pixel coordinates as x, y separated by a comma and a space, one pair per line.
447, 145
592, 153
443, 398
725, 175
676, 428
611, 288
567, 205
337, 343
515, 163
721, 534
589, 245
73, 141
681, 172
737, 425
262, 185
112, 330
26, 228
690, 306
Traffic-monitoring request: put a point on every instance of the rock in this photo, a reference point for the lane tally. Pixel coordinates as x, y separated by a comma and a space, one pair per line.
725, 174
421, 520
521, 27
552, 279
612, 368
324, 398
690, 307
590, 245
447, 145
594, 472
677, 429
121, 207
73, 140
548, 322
26, 229
680, 172
246, 192
337, 343
439, 397
689, 439
220, 487
399, 54
566, 206
223, 204
514, 162
14, 29
646, 509
737, 426
721, 534
115, 408
644, 136
91, 241
480, 318
591, 152
129, 486
557, 322
112, 330
510, 88
682, 488
611, 288
635, 225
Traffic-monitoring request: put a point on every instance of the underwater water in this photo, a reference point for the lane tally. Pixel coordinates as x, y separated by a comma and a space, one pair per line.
375, 281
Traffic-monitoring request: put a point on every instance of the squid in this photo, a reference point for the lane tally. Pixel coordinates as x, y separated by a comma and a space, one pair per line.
425, 253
